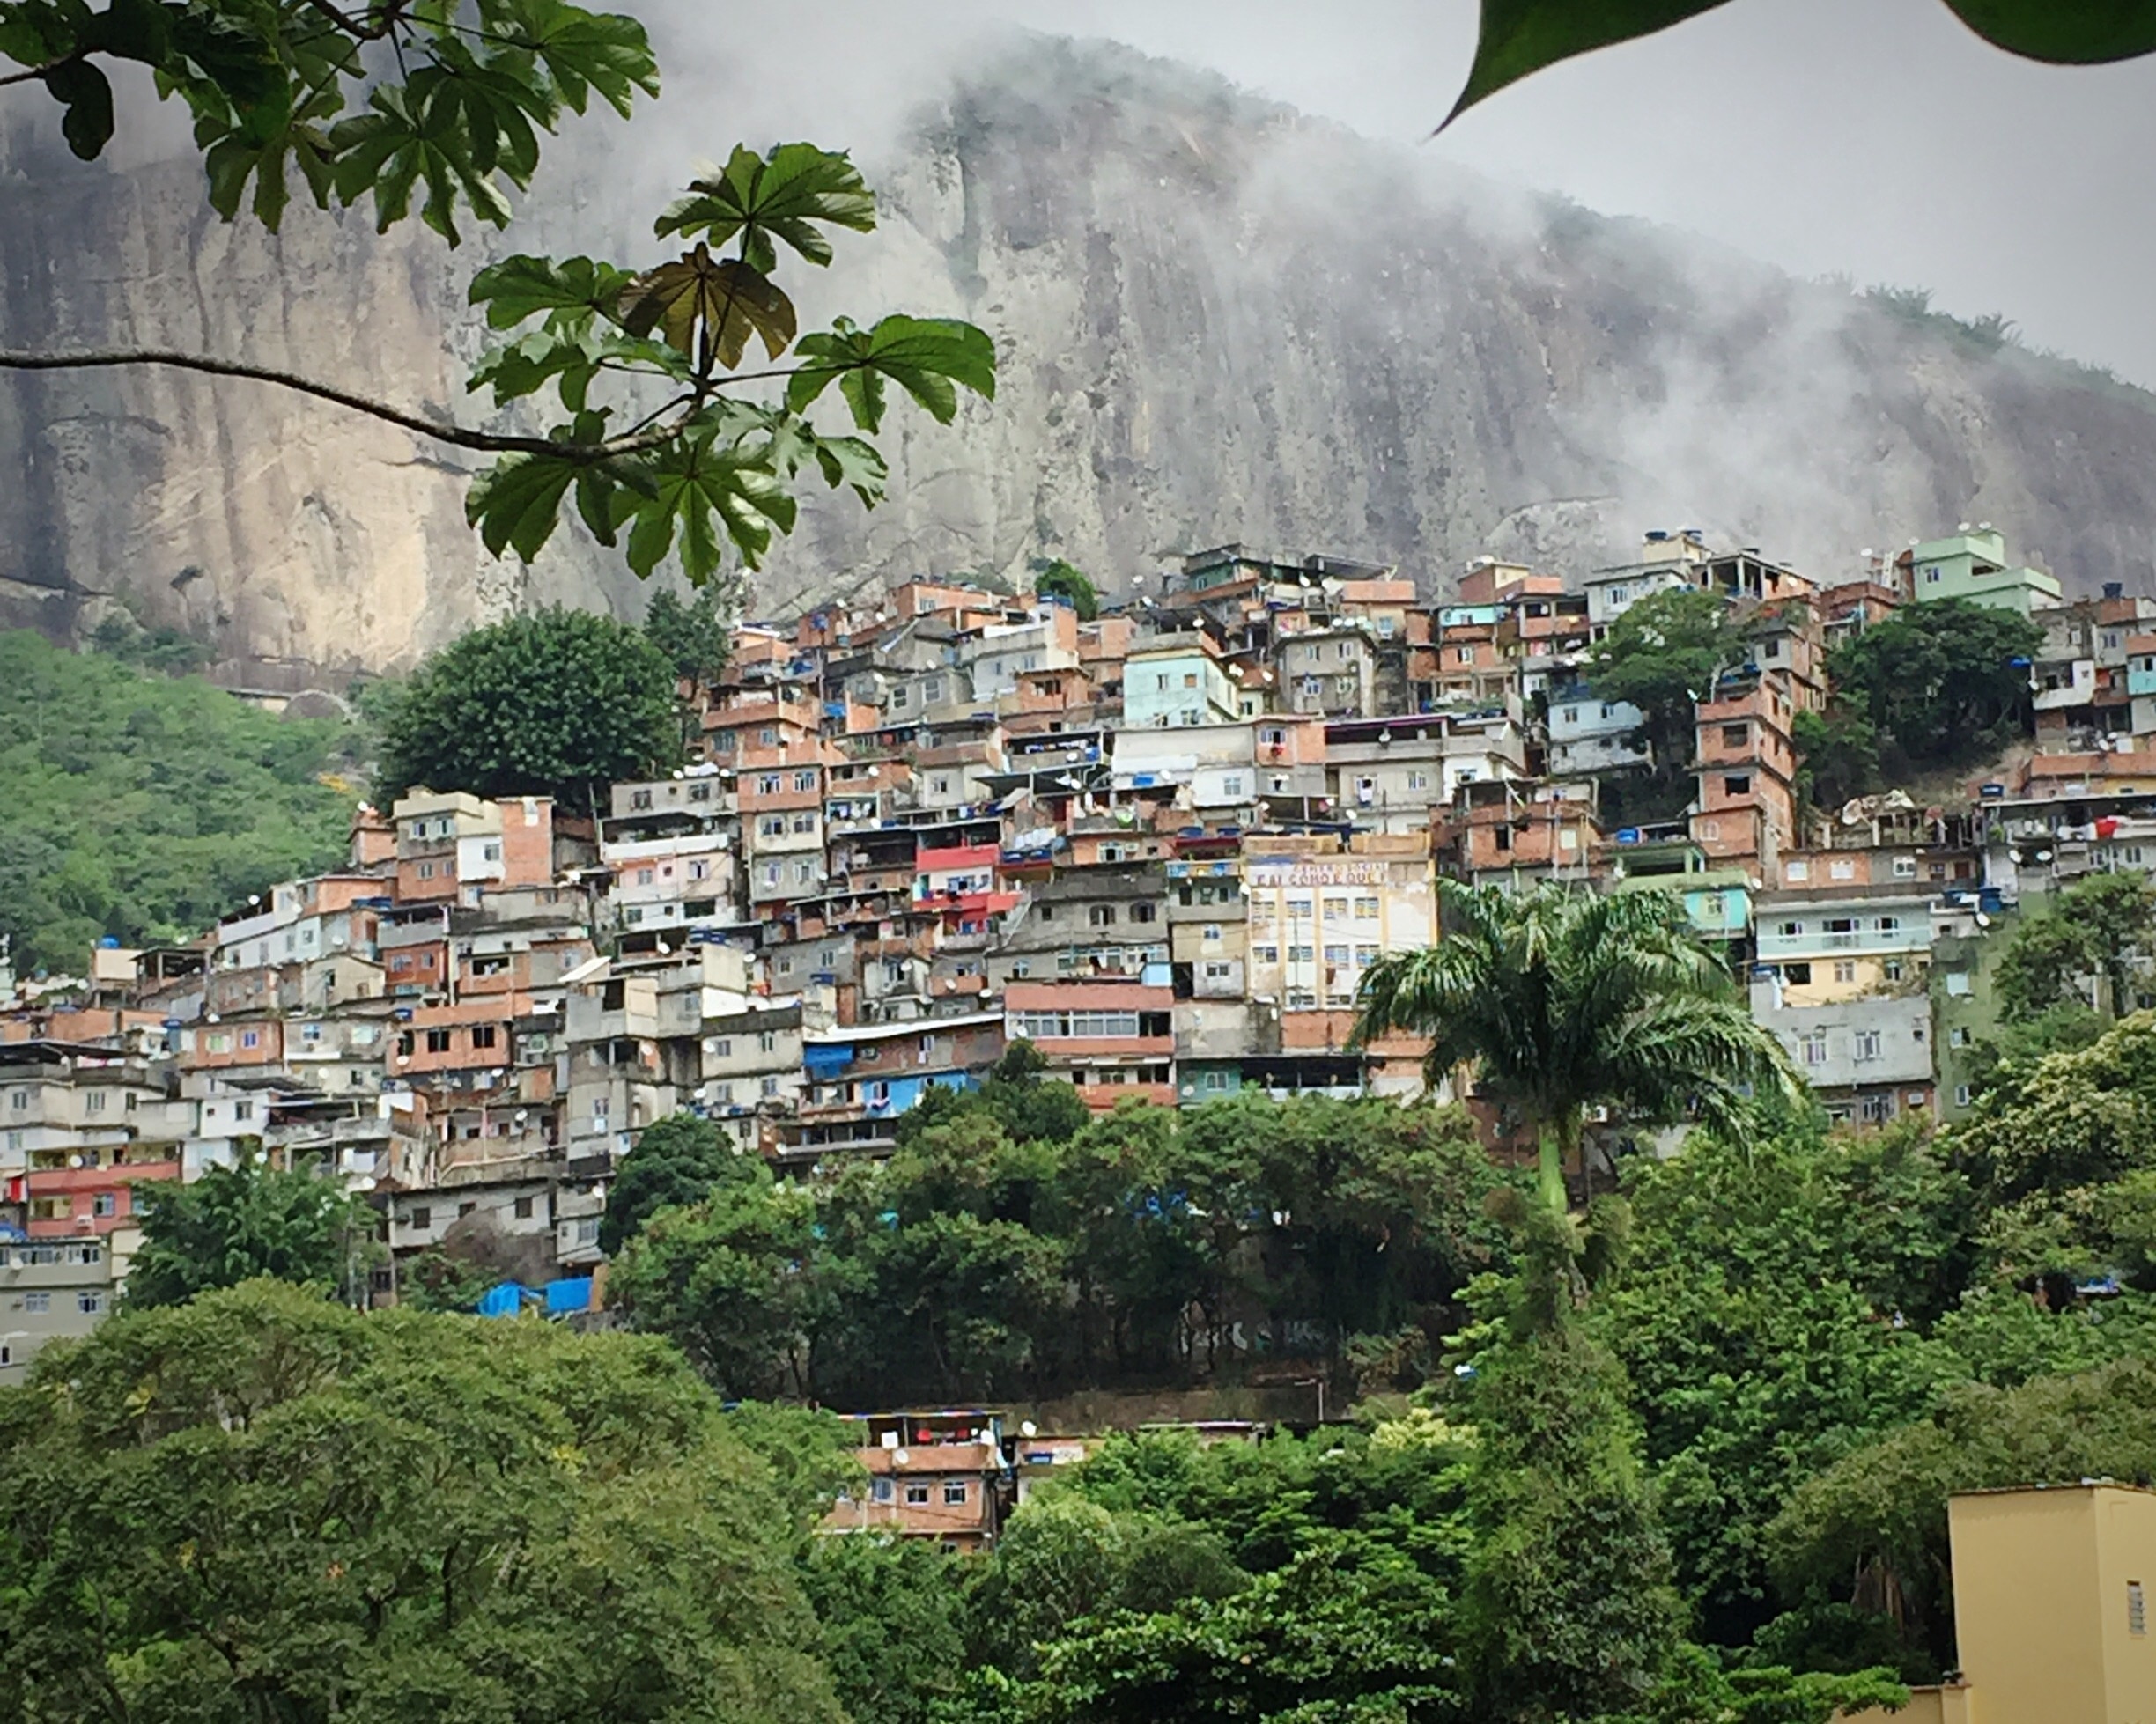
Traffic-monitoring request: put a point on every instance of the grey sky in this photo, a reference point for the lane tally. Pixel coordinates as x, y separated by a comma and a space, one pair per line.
1875, 138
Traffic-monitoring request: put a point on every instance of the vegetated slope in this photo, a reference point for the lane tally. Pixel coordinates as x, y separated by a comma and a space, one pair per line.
1215, 319
143, 806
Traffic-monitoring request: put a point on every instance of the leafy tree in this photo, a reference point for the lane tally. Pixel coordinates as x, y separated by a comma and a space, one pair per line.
559, 702
246, 1220
1567, 1606
2099, 930
145, 807
891, 1633
697, 636
676, 1160
1054, 578
1840, 753
1663, 655
1563, 1001
1765, 1313
1520, 37
290, 1510
735, 1282
167, 650
1939, 682
2047, 1146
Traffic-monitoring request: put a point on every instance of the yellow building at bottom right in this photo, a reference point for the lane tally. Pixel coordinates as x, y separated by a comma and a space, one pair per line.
2051, 1609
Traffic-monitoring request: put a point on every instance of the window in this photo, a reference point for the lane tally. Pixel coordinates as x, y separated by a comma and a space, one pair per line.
1144, 912
89, 1303
767, 1041
954, 1493
1302, 955
1734, 736
1215, 1081
805, 779
1889, 924
1101, 915
1905, 868
37, 1304
1845, 969
881, 1489
917, 1495
523, 1208
1878, 1109
2137, 1610
1957, 983
1865, 1044
1813, 1048
423, 1217
1210, 932
438, 1041
1737, 784
1842, 871
1365, 956
768, 1088
1962, 1093
1265, 955
1893, 969
1231, 784
482, 1035
1299, 908
466, 1208
104, 1203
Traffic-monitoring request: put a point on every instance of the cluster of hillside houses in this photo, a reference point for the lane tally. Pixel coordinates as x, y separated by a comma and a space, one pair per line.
1163, 846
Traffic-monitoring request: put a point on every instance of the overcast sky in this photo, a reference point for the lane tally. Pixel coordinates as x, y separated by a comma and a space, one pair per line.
1875, 138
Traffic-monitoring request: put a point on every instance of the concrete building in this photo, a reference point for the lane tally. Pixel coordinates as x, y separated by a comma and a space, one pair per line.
1869, 1060
940, 1475
1972, 564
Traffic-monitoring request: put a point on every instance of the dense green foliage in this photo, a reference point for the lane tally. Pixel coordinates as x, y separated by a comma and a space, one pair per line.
555, 703
145, 807
246, 1220
696, 634
286, 1510
1840, 752
1937, 683
1151, 1245
2095, 937
1057, 579
1663, 655
1563, 1000
677, 1160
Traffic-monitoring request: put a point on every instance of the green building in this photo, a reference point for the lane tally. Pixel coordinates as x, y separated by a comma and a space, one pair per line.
1972, 565
1965, 1013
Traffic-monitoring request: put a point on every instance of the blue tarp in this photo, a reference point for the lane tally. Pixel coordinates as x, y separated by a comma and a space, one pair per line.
503, 1299
571, 1293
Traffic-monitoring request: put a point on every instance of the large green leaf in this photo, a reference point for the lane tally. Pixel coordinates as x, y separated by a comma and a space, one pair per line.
523, 286
728, 300
1523, 36
782, 198
581, 51
516, 502
86, 94
406, 139
703, 485
2074, 32
929, 357
1520, 37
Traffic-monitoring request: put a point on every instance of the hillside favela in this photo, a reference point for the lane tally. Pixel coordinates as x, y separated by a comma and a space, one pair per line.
1237, 967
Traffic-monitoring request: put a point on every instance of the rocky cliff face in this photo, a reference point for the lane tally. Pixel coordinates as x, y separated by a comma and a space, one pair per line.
1216, 320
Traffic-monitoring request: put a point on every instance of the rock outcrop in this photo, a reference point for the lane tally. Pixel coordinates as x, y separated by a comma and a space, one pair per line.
1217, 321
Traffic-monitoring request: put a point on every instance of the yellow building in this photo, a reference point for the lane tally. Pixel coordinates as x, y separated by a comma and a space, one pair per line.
2052, 1610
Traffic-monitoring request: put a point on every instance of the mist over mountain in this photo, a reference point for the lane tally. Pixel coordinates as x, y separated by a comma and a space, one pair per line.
1216, 320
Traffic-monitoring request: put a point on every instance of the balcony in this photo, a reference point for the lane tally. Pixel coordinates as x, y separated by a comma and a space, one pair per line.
1914, 935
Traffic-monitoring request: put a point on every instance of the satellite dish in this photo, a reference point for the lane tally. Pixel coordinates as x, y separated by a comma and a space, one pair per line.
1982, 921
1027, 1428
899, 1457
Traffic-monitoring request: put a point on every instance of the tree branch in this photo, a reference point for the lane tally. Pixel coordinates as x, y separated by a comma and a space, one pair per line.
36, 73
442, 431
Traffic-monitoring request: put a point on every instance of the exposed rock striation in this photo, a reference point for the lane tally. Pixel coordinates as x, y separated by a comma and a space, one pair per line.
1217, 321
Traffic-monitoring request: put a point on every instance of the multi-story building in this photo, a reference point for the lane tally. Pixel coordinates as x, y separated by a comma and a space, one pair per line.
1868, 1059
1972, 564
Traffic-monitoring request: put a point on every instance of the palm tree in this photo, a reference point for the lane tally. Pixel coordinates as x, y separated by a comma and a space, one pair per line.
1565, 1001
